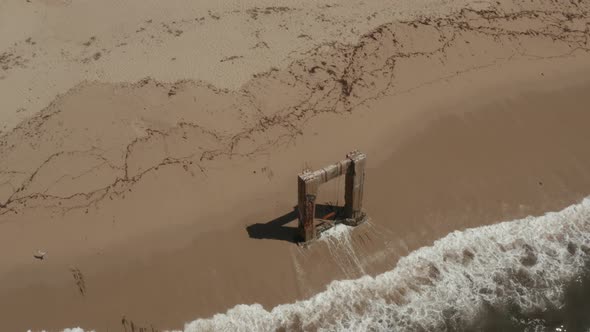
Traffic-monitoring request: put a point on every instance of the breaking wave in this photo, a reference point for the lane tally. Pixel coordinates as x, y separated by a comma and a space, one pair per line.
516, 271
523, 266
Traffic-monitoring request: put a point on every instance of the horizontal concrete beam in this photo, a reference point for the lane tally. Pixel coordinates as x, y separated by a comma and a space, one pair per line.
327, 173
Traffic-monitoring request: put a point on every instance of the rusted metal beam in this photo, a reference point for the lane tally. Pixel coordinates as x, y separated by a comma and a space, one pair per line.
329, 215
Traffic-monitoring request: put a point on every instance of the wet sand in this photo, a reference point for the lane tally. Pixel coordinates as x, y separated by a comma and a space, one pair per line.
149, 189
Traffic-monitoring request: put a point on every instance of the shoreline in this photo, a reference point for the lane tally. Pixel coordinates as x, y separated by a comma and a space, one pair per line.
509, 276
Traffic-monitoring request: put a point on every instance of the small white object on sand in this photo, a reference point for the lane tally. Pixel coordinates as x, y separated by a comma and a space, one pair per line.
40, 254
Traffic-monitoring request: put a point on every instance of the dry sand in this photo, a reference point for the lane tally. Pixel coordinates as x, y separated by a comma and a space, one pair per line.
147, 188
49, 46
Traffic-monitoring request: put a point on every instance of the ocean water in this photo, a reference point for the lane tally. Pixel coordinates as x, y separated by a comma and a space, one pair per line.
531, 274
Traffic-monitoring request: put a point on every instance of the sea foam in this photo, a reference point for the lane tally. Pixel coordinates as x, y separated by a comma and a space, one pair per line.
524, 263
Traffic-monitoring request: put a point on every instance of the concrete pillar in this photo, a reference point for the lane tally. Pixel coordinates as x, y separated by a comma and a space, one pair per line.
353, 167
355, 181
307, 190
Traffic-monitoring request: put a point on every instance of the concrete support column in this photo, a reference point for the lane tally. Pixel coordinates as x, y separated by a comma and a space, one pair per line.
307, 196
355, 181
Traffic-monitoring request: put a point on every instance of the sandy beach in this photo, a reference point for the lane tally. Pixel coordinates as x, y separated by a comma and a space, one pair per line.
152, 150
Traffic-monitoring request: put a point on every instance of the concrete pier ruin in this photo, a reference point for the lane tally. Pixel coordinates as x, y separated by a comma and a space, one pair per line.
353, 168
